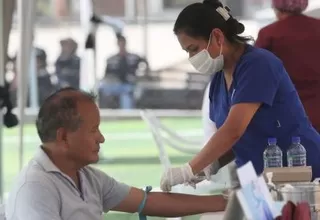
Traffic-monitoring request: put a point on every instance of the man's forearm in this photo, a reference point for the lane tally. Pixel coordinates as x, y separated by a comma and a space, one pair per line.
176, 205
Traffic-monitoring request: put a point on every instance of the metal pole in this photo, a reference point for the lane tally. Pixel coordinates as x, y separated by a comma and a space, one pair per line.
95, 70
25, 21
2, 53
145, 28
20, 87
136, 11
33, 81
85, 14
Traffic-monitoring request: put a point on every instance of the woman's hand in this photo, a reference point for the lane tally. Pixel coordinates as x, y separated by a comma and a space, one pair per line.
212, 169
184, 174
175, 176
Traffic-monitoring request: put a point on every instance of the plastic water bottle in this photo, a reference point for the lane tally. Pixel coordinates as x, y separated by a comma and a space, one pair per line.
296, 154
272, 155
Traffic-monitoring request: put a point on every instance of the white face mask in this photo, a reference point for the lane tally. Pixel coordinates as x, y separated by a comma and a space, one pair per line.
204, 63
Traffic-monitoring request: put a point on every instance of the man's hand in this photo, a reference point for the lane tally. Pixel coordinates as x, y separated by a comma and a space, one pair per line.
175, 176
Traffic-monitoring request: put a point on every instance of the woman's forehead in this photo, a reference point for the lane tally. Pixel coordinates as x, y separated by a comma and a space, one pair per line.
187, 41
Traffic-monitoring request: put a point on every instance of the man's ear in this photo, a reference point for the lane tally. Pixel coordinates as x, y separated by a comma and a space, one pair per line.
61, 136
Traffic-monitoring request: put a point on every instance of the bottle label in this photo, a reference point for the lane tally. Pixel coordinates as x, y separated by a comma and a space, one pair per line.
274, 161
297, 161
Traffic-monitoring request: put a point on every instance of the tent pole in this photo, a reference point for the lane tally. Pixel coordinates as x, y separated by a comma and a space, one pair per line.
25, 13
33, 82
85, 14
20, 77
2, 73
145, 28
95, 70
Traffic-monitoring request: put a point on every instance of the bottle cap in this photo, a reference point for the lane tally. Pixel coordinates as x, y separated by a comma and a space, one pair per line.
296, 140
272, 141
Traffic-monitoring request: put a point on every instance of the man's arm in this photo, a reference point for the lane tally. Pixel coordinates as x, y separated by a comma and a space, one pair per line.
170, 204
121, 197
34, 201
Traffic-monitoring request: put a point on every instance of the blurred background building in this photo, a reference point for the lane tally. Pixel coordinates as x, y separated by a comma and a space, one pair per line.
169, 77
129, 9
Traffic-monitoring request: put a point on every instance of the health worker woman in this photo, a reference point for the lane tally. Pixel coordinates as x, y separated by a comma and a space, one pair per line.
251, 97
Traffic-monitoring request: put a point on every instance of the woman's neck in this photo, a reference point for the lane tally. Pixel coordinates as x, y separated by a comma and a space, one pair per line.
231, 59
231, 62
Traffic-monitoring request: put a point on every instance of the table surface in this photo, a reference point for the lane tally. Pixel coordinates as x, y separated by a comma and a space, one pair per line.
212, 216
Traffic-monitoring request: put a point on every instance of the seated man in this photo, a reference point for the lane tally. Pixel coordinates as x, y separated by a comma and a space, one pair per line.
58, 183
120, 75
68, 63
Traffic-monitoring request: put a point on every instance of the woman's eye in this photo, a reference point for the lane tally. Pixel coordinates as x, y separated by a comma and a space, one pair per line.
192, 53
195, 51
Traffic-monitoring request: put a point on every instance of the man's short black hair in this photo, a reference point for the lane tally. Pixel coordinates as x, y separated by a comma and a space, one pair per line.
120, 37
60, 110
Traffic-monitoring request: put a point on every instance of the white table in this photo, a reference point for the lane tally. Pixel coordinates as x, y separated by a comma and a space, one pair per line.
212, 216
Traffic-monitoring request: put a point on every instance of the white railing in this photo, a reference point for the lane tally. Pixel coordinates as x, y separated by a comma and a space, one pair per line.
116, 114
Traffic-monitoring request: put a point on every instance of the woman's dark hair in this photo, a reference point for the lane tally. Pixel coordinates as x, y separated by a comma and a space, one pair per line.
199, 19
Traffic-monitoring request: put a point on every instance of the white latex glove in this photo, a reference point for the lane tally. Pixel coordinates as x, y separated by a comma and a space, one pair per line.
194, 181
175, 176
212, 169
206, 174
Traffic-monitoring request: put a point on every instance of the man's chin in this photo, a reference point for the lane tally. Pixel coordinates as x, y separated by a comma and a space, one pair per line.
94, 159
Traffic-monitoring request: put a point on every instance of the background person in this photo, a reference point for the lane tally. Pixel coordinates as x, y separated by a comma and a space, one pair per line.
68, 64
120, 75
295, 39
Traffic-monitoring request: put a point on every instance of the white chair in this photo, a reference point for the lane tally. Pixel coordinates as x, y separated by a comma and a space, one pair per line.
2, 212
170, 137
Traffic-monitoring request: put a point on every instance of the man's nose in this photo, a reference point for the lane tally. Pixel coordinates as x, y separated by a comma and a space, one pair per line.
102, 139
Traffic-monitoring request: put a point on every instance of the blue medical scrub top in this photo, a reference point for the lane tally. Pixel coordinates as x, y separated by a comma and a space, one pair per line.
260, 77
